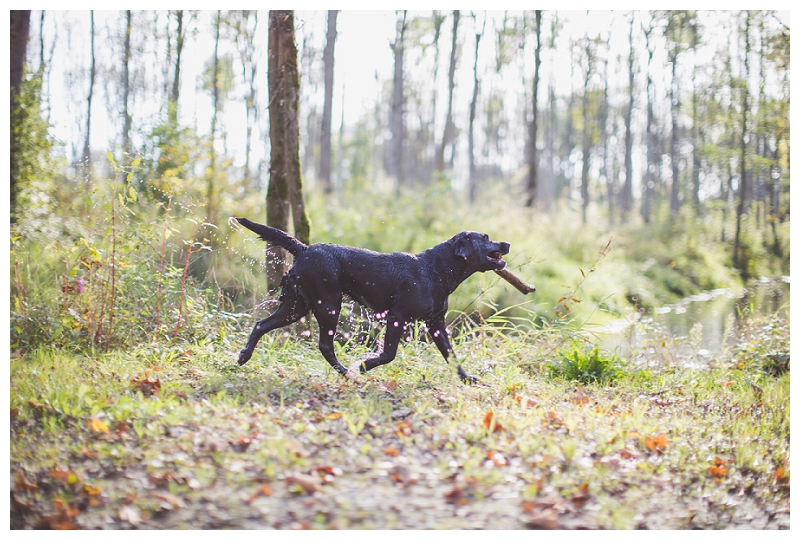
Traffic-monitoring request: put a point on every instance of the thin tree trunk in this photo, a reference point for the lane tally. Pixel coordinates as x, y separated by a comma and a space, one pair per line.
212, 168
674, 201
449, 127
126, 87
86, 145
327, 111
649, 178
533, 152
604, 169
396, 123
172, 112
472, 110
627, 189
586, 147
740, 262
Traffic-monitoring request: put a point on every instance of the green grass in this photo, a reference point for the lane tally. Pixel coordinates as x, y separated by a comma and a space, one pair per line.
181, 437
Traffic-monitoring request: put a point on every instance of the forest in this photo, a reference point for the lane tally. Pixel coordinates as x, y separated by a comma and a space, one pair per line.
638, 163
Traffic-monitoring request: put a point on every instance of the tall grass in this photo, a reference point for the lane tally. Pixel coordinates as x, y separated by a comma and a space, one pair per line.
123, 262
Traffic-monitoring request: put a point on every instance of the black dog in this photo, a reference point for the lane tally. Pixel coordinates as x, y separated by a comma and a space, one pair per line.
397, 286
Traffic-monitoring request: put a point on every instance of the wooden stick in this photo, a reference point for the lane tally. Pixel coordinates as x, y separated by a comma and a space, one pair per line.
518, 284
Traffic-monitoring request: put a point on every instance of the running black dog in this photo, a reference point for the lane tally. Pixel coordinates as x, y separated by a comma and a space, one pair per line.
398, 286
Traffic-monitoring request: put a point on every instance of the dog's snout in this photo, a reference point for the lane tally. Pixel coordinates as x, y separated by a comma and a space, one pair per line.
505, 247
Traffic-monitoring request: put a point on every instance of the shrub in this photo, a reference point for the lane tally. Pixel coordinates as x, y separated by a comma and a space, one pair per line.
585, 364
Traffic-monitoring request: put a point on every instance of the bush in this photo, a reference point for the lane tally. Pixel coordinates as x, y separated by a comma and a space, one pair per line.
585, 364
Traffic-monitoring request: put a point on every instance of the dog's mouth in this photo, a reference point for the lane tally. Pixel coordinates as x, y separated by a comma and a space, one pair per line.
496, 258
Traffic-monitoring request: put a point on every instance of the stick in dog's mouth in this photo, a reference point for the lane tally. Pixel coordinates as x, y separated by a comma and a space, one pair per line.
518, 284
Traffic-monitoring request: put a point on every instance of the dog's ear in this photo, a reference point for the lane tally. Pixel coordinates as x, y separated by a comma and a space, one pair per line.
464, 248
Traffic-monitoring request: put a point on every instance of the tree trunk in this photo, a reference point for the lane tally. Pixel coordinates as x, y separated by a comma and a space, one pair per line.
19, 30
212, 167
472, 109
449, 128
604, 168
324, 173
649, 177
285, 191
396, 165
533, 152
86, 145
674, 201
627, 189
126, 86
172, 109
586, 147
740, 262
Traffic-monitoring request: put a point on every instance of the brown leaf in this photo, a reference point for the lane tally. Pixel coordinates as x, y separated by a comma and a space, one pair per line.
65, 476
546, 519
391, 451
130, 513
334, 416
91, 490
147, 386
263, 490
498, 458
391, 385
656, 442
172, 500
525, 401
242, 443
491, 424
24, 485
308, 483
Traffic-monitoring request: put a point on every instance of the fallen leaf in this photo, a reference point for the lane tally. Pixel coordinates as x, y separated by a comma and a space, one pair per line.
147, 386
779, 474
129, 513
391, 451
580, 397
308, 483
525, 401
242, 443
391, 385
263, 490
91, 490
98, 425
65, 476
546, 519
498, 458
491, 424
334, 416
36, 404
403, 428
172, 500
656, 442
24, 485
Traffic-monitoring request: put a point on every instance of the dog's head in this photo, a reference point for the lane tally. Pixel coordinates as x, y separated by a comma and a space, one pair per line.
478, 252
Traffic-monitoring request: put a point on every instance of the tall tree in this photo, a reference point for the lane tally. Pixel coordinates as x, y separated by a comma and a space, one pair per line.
589, 57
126, 84
449, 127
396, 122
19, 30
739, 261
681, 32
472, 109
211, 174
324, 172
245, 24
533, 153
172, 108
626, 199
649, 176
86, 145
285, 190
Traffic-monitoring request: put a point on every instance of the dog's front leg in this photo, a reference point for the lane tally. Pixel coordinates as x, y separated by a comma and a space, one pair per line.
394, 332
438, 331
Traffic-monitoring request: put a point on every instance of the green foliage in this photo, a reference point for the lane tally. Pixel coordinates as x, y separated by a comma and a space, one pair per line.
586, 365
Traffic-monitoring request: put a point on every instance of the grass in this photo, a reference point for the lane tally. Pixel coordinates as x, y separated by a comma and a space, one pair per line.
181, 437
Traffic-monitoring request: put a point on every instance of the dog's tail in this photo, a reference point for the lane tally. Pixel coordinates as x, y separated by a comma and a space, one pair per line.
274, 236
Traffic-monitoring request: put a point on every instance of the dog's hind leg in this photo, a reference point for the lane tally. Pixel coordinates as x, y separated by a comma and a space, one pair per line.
394, 332
292, 309
327, 315
438, 331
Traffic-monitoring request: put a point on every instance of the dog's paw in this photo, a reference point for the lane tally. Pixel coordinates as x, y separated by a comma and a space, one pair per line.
244, 356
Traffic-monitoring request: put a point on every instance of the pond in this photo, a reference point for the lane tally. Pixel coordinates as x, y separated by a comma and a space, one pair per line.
698, 323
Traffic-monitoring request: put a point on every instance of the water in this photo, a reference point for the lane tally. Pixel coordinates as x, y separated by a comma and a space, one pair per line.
698, 323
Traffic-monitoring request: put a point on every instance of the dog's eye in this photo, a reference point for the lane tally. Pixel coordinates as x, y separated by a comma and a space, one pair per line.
486, 237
